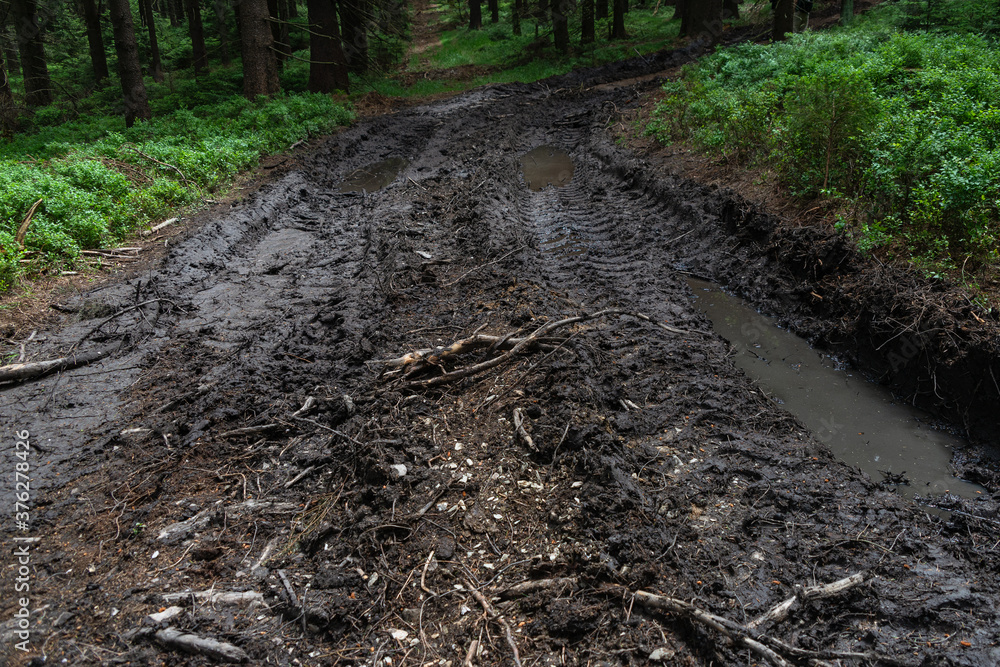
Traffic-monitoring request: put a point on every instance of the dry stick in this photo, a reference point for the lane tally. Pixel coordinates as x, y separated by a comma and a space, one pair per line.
483, 266
780, 611
121, 312
533, 338
220, 651
164, 164
742, 635
519, 427
526, 587
39, 368
492, 613
23, 229
428, 356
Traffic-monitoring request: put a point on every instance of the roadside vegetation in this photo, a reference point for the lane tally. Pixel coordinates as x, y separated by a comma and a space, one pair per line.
893, 123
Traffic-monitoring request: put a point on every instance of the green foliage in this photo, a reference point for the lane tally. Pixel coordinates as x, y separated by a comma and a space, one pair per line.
901, 124
99, 180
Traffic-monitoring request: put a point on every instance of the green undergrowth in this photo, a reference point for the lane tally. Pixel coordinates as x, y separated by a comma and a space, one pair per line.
98, 181
900, 127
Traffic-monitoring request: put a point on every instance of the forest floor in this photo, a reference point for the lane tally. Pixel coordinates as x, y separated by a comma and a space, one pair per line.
596, 484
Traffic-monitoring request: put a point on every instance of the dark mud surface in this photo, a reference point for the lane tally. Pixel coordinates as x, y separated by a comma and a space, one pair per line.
248, 435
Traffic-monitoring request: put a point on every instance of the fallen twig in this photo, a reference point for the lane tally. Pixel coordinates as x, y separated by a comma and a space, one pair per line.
22, 231
519, 427
164, 164
483, 266
36, 369
527, 587
249, 430
492, 613
118, 314
216, 650
780, 611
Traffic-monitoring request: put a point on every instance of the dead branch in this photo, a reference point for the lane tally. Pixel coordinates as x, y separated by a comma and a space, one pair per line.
22, 231
492, 613
780, 611
531, 340
773, 650
483, 266
162, 164
37, 369
215, 597
527, 587
519, 427
216, 650
249, 430
121, 312
432, 356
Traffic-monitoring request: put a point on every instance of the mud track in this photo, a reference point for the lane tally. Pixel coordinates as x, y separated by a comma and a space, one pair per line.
246, 437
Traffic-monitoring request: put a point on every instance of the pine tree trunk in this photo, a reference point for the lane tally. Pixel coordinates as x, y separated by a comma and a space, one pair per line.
703, 20
95, 40
279, 30
8, 42
846, 12
355, 31
155, 66
260, 68
601, 9
494, 6
176, 12
223, 29
587, 22
560, 25
475, 14
129, 70
516, 9
731, 9
37, 85
784, 12
8, 113
196, 30
327, 67
680, 12
618, 20
292, 9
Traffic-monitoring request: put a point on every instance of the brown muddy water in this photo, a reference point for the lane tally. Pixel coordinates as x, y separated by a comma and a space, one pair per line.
374, 176
859, 421
545, 166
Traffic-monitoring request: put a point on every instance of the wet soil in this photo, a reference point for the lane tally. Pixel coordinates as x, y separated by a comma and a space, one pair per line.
250, 431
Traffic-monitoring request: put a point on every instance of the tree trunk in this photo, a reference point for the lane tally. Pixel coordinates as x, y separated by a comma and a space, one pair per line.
494, 6
220, 26
475, 14
95, 40
260, 69
37, 85
8, 113
355, 31
587, 22
292, 9
601, 9
155, 66
680, 12
327, 66
516, 9
9, 44
560, 25
176, 12
703, 20
618, 20
846, 12
731, 9
279, 30
784, 11
129, 70
196, 30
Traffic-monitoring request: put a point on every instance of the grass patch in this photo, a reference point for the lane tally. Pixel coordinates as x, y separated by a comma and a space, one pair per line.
902, 126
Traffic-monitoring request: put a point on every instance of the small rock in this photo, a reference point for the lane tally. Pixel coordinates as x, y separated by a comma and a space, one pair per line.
398, 470
662, 654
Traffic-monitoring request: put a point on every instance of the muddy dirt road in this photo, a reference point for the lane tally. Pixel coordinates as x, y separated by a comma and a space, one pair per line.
588, 493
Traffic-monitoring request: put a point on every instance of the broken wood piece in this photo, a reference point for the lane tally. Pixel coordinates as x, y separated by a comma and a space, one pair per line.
163, 616
431, 356
216, 650
302, 474
22, 230
519, 427
773, 650
780, 611
165, 223
527, 587
216, 597
119, 314
249, 430
309, 404
288, 588
36, 369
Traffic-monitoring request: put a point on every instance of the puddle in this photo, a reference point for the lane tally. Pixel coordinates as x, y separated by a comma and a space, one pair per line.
858, 420
375, 176
546, 165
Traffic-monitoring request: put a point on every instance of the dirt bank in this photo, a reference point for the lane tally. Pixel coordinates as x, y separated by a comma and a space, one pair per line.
249, 432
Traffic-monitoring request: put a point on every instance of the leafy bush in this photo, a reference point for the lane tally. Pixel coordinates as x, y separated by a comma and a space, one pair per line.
901, 124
